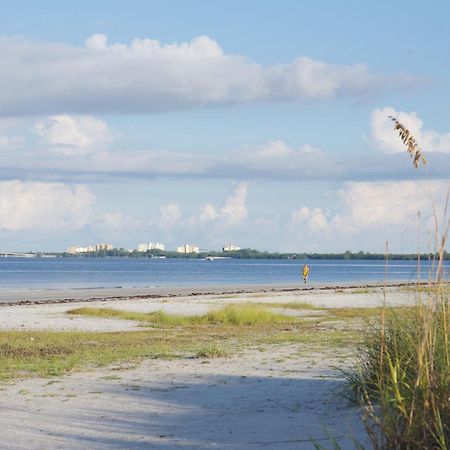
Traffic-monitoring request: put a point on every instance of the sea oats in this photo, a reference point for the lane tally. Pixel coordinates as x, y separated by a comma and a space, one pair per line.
410, 142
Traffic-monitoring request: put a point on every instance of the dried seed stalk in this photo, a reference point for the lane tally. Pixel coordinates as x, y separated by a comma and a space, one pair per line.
410, 142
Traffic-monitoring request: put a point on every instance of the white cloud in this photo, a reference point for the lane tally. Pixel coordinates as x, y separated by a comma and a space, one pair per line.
313, 219
368, 213
117, 221
381, 205
52, 206
386, 138
233, 211
74, 135
208, 213
169, 216
147, 76
276, 157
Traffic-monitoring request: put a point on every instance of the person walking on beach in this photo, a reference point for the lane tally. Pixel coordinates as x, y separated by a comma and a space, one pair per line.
305, 273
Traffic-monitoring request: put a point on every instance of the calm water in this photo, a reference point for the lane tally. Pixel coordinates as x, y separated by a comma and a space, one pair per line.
36, 273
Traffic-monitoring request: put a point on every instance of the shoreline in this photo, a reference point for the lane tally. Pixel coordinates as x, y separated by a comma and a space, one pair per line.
55, 296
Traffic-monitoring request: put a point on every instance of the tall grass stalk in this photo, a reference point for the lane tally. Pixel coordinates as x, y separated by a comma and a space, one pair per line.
403, 376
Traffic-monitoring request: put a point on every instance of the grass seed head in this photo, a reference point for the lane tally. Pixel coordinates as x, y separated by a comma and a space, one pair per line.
410, 142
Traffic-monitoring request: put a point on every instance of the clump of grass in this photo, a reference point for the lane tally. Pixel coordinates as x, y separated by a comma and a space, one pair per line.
403, 376
245, 315
212, 351
404, 379
50, 353
296, 305
234, 314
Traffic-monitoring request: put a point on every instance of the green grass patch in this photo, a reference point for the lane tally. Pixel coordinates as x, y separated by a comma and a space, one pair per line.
242, 314
212, 350
41, 353
403, 378
217, 333
295, 305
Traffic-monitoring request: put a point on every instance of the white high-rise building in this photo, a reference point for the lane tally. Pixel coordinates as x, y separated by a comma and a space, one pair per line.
150, 246
75, 249
230, 248
100, 247
188, 248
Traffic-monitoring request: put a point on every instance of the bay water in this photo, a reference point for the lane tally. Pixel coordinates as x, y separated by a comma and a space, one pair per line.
82, 272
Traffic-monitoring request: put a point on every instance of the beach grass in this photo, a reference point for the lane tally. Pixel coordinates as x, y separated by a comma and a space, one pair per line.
218, 333
234, 314
403, 378
215, 334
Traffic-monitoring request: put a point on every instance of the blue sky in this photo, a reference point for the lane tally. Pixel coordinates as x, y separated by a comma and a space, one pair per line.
258, 123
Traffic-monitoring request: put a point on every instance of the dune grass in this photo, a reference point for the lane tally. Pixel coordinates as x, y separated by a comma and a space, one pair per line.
403, 371
42, 353
234, 314
403, 379
217, 333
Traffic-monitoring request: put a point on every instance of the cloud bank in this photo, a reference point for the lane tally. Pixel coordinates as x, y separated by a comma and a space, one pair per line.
83, 148
44, 206
148, 76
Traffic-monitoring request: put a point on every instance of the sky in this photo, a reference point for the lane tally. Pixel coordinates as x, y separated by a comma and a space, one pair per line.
261, 124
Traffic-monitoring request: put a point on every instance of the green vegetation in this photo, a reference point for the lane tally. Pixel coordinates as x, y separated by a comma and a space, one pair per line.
212, 351
404, 378
250, 253
248, 314
403, 371
216, 334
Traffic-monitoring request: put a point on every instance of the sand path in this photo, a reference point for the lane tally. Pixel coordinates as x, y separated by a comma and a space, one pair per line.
273, 399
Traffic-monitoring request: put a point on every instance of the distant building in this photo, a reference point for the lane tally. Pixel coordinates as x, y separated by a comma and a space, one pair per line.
101, 247
76, 249
187, 248
230, 248
150, 246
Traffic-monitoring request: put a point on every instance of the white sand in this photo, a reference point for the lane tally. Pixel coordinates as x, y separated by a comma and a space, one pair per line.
256, 400
270, 397
53, 316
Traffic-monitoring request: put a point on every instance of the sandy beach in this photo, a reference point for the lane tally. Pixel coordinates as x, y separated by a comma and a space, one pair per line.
268, 396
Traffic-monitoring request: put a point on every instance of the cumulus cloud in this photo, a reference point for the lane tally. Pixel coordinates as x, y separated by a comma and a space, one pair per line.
387, 204
386, 139
117, 221
233, 211
169, 216
79, 147
313, 219
148, 76
51, 206
74, 135
367, 213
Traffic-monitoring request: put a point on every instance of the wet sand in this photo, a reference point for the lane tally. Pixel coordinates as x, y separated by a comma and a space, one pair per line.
30, 296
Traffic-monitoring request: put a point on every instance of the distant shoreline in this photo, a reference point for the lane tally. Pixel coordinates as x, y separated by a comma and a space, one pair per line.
241, 254
46, 296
